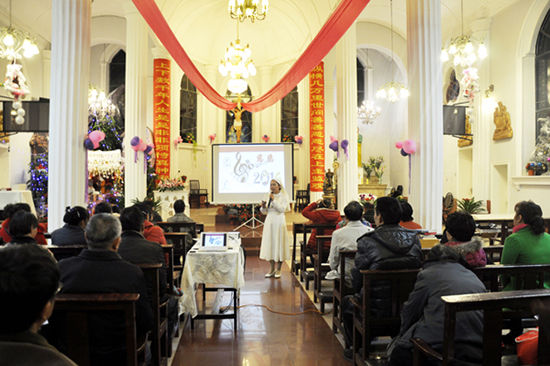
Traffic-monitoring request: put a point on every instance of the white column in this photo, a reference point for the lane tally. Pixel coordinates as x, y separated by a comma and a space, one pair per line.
425, 117
346, 88
135, 179
483, 115
46, 72
264, 124
103, 85
210, 124
70, 75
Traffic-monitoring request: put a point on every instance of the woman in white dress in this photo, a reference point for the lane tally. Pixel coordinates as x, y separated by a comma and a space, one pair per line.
275, 244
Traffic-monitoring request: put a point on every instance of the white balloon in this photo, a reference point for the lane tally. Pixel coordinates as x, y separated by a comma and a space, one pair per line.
16, 105
21, 112
19, 120
472, 119
470, 111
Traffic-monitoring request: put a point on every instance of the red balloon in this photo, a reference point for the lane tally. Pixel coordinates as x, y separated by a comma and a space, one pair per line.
399, 144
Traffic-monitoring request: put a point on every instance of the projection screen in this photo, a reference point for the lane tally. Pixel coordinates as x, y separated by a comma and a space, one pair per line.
241, 173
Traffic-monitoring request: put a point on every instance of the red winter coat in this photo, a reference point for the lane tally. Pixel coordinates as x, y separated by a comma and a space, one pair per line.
153, 233
320, 216
40, 238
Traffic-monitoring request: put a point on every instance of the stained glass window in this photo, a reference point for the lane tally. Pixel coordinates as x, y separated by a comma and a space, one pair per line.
542, 73
289, 116
188, 108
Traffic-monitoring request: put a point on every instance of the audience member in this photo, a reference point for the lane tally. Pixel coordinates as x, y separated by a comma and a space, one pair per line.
407, 219
29, 280
155, 215
180, 216
10, 210
445, 273
388, 247
150, 231
321, 212
528, 244
134, 248
459, 229
72, 233
346, 239
368, 213
103, 207
23, 228
99, 269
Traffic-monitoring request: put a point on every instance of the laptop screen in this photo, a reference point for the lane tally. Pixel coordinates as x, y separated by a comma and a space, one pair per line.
214, 240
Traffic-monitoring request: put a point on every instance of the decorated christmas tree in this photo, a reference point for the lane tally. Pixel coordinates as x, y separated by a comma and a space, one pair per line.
540, 158
38, 182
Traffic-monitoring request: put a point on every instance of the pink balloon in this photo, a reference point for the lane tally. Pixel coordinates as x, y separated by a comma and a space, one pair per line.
409, 146
399, 144
96, 136
135, 147
96, 144
142, 145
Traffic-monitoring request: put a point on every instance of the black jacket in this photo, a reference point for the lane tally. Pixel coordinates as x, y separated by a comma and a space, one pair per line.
104, 271
134, 248
69, 235
389, 247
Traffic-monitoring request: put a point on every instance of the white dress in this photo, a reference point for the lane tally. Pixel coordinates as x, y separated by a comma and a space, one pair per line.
275, 242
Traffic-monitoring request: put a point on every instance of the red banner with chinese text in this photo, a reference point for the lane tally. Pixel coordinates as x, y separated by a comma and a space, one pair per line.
161, 116
317, 128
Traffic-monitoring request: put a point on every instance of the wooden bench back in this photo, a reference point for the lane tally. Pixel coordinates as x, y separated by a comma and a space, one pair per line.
76, 307
531, 275
66, 251
176, 227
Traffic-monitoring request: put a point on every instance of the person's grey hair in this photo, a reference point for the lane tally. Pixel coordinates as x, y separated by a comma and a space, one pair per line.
102, 230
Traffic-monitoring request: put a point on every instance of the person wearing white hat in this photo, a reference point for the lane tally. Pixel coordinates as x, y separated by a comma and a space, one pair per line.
275, 243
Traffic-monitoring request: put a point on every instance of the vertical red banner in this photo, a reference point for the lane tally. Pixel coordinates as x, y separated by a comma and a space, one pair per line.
317, 127
161, 116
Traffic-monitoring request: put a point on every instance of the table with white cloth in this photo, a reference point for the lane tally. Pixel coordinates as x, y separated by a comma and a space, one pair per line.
17, 197
212, 267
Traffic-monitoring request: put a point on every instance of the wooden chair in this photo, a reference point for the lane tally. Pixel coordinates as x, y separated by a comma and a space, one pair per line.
161, 348
76, 308
66, 251
494, 252
302, 200
366, 326
340, 290
320, 269
492, 305
306, 275
196, 193
178, 241
297, 227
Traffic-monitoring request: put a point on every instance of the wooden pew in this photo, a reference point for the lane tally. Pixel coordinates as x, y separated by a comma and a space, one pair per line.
297, 227
66, 251
304, 252
320, 268
340, 290
178, 241
76, 307
366, 326
160, 341
494, 252
492, 305
531, 274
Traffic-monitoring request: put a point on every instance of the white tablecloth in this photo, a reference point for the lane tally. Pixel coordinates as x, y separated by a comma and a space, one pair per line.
217, 268
17, 197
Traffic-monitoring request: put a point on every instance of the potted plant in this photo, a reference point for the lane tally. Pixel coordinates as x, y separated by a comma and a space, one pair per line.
470, 205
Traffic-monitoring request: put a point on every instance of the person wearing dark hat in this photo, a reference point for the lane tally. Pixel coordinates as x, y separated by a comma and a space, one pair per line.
460, 228
72, 233
29, 280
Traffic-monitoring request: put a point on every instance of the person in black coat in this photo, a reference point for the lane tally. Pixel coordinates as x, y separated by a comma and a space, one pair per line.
72, 233
388, 247
100, 269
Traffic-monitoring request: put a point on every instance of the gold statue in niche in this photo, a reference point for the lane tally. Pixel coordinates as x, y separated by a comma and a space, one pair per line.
466, 140
501, 119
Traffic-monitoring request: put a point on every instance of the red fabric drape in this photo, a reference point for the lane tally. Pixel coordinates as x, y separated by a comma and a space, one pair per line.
335, 27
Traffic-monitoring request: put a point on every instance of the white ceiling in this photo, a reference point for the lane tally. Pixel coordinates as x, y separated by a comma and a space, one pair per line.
205, 29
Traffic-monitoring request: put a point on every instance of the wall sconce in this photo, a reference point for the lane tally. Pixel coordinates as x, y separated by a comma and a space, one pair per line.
489, 101
489, 91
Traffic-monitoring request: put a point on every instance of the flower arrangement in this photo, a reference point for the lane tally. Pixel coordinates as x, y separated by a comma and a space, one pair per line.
189, 138
367, 199
286, 138
172, 184
241, 213
367, 169
470, 205
374, 166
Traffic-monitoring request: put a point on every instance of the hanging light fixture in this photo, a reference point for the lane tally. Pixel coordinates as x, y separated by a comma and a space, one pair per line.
242, 9
368, 112
12, 41
394, 90
462, 47
98, 104
238, 63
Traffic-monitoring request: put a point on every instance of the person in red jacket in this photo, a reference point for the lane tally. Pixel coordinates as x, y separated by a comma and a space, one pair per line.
321, 212
150, 231
10, 210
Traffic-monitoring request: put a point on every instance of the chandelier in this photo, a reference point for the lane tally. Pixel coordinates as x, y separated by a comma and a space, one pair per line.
12, 41
242, 9
394, 90
462, 47
238, 63
368, 112
98, 104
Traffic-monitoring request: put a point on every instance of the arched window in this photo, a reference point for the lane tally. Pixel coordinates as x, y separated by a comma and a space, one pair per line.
289, 116
542, 73
188, 108
361, 90
117, 71
246, 119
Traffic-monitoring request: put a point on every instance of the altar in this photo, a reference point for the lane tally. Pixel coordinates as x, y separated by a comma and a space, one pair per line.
377, 190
